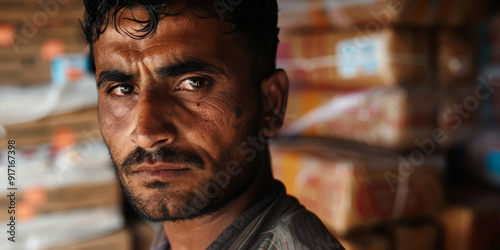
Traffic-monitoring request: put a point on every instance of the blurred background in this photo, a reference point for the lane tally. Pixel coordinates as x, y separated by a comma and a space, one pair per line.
391, 134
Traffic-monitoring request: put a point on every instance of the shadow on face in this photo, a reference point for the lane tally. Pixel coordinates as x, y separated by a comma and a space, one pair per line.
176, 111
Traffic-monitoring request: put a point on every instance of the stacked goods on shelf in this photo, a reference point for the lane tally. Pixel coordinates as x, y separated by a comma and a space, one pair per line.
32, 33
458, 12
297, 15
396, 77
391, 56
472, 220
83, 122
67, 181
383, 117
307, 14
64, 178
350, 188
25, 9
340, 67
40, 109
415, 235
318, 80
74, 186
39, 200
479, 156
65, 228
461, 90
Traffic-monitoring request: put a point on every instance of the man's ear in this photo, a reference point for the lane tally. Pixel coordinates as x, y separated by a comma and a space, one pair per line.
274, 100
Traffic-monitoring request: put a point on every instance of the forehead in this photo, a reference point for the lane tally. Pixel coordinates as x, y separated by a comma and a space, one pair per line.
175, 37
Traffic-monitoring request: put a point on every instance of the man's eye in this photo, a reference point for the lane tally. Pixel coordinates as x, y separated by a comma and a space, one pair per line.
193, 83
122, 89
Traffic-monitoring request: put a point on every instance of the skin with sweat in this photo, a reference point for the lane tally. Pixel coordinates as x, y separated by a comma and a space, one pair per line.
186, 89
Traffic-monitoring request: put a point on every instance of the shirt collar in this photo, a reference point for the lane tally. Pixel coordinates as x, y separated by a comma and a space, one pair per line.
160, 241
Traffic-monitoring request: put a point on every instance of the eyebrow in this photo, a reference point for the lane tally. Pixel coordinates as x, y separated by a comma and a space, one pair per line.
113, 76
189, 66
177, 69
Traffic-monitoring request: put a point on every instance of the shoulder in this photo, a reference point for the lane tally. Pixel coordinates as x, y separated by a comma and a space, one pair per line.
294, 227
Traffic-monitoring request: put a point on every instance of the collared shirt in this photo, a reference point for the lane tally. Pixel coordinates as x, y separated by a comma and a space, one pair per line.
277, 221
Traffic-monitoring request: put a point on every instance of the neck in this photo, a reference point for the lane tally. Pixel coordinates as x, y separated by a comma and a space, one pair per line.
200, 232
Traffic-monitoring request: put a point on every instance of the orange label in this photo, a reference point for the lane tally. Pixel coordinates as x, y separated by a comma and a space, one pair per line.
52, 48
63, 137
7, 35
25, 211
35, 196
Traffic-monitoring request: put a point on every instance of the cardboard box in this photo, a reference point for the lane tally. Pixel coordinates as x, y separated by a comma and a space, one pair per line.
391, 118
84, 125
299, 15
39, 11
472, 223
43, 200
392, 56
27, 49
349, 189
303, 101
455, 13
420, 237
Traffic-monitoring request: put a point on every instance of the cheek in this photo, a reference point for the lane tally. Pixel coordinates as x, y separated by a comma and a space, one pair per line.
225, 120
114, 119
231, 106
115, 110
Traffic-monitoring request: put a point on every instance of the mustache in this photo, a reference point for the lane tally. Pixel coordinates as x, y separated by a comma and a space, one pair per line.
163, 154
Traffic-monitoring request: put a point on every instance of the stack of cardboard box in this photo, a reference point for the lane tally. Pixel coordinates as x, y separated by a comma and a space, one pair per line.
67, 195
352, 187
380, 90
32, 33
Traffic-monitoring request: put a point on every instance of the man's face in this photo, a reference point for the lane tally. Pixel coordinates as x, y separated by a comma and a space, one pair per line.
174, 109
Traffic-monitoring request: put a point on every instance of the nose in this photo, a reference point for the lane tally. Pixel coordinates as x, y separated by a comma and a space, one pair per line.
153, 127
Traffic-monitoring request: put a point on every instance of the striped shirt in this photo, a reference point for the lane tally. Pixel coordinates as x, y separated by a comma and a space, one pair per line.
278, 221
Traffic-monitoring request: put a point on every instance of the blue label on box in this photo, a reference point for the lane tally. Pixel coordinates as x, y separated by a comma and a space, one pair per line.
493, 163
70, 67
359, 56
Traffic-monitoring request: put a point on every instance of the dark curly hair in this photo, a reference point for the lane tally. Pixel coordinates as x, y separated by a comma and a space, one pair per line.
255, 23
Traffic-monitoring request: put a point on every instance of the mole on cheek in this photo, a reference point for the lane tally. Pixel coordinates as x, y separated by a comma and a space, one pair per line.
197, 104
238, 112
237, 126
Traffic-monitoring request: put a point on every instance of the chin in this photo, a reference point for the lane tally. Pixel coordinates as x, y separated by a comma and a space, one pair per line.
159, 202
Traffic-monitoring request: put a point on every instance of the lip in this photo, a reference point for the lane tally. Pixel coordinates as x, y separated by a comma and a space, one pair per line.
160, 171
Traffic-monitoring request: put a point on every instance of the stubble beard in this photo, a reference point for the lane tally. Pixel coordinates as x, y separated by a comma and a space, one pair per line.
193, 204
187, 207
